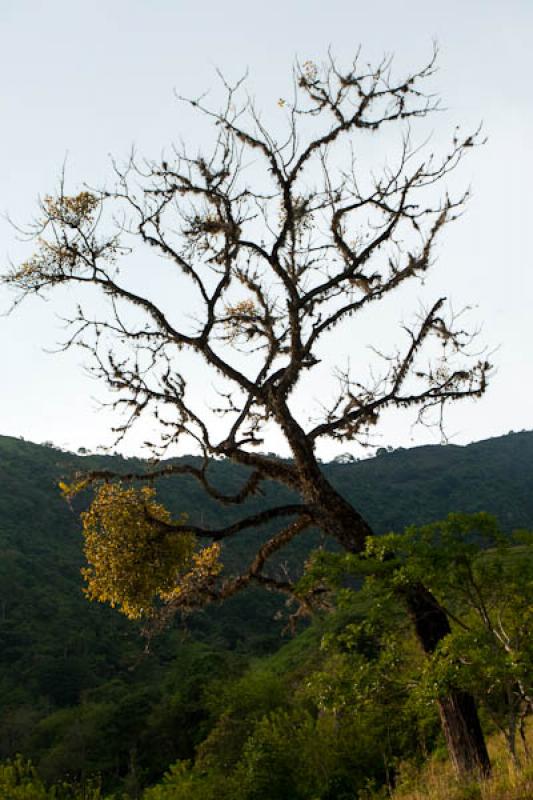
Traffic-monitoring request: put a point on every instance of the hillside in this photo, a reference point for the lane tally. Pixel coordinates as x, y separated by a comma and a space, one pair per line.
57, 650
41, 545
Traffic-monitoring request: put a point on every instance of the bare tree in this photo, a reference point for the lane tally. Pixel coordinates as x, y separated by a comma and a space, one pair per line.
281, 242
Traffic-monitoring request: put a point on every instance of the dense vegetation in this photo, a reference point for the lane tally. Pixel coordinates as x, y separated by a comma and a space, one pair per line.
228, 698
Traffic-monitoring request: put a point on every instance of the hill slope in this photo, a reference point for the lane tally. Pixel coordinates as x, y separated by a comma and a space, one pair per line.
43, 611
57, 649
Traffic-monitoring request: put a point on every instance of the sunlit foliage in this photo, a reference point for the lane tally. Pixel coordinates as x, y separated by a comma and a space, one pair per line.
136, 554
19, 780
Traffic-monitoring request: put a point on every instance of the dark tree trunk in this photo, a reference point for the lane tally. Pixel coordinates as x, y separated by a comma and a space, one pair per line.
462, 730
338, 518
457, 709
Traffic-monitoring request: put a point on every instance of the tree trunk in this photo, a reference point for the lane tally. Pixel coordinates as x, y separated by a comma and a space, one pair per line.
462, 730
457, 709
338, 518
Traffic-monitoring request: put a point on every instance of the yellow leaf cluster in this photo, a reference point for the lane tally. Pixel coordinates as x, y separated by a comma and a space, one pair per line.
191, 589
68, 490
36, 270
240, 318
310, 70
71, 210
136, 556
244, 308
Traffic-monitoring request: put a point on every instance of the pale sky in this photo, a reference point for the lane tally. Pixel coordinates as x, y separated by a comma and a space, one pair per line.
80, 81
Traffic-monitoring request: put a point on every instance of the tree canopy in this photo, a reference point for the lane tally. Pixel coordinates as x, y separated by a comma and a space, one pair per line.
279, 237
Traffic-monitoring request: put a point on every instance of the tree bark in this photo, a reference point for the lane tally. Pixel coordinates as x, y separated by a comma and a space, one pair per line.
457, 709
337, 517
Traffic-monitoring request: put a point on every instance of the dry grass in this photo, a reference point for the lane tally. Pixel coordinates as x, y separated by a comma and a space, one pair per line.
437, 780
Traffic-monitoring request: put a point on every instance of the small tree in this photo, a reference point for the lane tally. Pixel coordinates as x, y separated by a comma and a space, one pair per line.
282, 241
483, 578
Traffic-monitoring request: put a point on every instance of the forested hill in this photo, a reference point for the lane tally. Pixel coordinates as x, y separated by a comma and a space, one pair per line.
40, 542
59, 654
391, 490
425, 483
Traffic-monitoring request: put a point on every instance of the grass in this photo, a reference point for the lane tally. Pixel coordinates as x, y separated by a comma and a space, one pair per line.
437, 780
